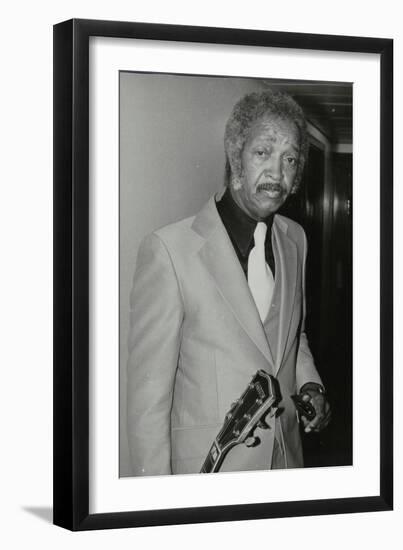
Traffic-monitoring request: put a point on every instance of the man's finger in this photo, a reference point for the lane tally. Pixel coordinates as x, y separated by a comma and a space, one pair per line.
321, 414
323, 424
315, 422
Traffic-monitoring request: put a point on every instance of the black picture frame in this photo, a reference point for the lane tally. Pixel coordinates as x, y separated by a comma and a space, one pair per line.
71, 274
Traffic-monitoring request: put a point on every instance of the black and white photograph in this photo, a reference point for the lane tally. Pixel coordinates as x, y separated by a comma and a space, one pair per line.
235, 260
224, 237
201, 258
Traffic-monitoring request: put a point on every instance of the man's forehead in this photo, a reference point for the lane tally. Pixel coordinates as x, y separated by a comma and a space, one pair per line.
274, 128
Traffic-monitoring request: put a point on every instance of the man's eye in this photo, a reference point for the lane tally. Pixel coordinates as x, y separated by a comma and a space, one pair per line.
291, 161
260, 152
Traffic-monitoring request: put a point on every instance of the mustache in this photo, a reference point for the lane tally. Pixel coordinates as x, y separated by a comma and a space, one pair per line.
269, 187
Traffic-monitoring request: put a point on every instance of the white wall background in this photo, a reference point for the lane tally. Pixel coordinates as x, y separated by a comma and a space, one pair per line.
26, 274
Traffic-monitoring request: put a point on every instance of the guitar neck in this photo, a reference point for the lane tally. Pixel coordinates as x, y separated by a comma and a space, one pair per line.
214, 459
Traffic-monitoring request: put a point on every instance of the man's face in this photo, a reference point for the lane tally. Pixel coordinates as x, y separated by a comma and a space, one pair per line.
269, 166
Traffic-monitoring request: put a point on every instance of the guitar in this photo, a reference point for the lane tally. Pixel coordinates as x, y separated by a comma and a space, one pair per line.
247, 413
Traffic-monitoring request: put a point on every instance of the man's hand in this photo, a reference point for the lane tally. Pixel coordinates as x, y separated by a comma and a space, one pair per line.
317, 398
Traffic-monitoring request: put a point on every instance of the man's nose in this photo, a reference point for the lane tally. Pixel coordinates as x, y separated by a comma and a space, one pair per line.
273, 169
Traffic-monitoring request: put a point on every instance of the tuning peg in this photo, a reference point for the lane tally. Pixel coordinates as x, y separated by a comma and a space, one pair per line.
252, 441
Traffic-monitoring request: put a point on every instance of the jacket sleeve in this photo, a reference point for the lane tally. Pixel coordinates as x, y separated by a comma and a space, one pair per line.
154, 340
305, 370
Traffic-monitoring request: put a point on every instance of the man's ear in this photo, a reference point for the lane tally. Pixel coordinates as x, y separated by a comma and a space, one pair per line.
236, 183
236, 174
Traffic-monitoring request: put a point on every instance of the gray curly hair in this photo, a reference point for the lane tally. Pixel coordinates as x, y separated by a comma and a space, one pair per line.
246, 112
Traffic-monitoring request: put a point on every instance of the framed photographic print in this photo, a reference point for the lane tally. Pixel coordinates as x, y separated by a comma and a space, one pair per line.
223, 274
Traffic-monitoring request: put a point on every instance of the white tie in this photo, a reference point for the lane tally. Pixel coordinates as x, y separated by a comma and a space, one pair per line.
260, 277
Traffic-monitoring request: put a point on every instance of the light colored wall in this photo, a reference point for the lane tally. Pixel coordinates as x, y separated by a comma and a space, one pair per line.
171, 161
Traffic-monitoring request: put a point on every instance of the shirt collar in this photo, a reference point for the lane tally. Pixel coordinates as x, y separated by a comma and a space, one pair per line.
240, 226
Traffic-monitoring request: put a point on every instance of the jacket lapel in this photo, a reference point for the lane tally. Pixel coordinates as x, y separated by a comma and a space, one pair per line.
285, 251
219, 257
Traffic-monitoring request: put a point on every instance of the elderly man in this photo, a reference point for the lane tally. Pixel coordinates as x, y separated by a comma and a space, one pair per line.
217, 297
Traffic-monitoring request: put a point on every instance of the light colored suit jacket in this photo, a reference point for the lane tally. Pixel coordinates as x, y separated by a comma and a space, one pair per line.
196, 340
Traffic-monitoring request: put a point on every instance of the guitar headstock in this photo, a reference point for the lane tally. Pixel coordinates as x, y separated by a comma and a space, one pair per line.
251, 408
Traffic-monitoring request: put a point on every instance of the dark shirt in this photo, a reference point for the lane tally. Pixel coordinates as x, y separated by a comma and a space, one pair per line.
240, 228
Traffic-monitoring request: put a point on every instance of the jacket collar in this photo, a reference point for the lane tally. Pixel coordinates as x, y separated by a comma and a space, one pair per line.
220, 259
